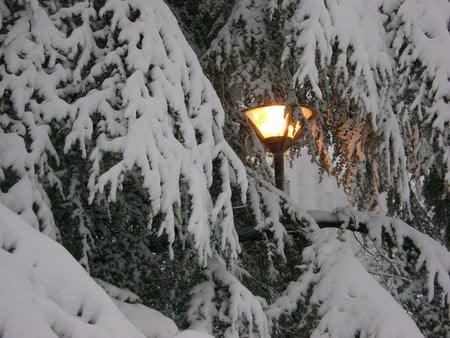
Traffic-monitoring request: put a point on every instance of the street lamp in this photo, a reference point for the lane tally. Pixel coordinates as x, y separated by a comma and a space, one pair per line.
277, 130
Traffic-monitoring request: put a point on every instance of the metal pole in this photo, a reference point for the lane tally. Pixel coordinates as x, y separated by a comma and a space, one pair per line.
279, 169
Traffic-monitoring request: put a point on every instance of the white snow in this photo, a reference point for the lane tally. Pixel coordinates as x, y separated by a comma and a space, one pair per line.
386, 60
243, 311
308, 189
167, 101
202, 309
160, 115
26, 192
349, 300
192, 334
432, 255
150, 322
46, 293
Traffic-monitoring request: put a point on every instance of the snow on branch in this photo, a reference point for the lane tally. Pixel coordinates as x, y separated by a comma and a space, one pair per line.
202, 309
348, 300
420, 42
312, 21
57, 304
25, 143
150, 322
121, 86
424, 37
245, 11
350, 32
43, 283
243, 51
336, 285
242, 311
174, 129
274, 213
433, 257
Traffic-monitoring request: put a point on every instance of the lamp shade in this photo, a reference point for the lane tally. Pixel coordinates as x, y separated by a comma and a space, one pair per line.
271, 121
275, 128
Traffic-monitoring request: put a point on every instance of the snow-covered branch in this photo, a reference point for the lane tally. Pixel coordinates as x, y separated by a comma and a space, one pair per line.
348, 301
242, 311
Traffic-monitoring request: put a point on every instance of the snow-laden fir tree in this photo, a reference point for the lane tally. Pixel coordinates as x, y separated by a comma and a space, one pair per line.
113, 142
108, 119
376, 71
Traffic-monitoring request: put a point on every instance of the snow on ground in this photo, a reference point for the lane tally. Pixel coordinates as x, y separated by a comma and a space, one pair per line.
44, 292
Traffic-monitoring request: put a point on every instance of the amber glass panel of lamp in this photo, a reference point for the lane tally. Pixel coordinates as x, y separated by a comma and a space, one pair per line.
271, 121
277, 131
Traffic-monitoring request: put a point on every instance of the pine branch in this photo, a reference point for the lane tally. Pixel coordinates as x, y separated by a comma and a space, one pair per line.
324, 219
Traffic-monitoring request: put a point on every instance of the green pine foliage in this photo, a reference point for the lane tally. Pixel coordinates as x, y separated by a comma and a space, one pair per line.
114, 142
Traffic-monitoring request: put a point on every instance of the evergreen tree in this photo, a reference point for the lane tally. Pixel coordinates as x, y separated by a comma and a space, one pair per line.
373, 71
114, 143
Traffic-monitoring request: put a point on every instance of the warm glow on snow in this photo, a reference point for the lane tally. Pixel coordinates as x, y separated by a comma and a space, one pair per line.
271, 121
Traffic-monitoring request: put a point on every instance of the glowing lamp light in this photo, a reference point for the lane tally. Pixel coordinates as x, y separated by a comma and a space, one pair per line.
271, 121
274, 127
277, 130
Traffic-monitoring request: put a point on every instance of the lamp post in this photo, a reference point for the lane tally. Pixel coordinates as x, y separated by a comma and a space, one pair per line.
277, 130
